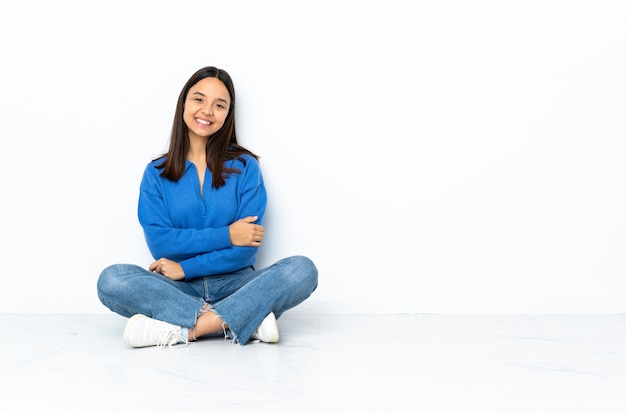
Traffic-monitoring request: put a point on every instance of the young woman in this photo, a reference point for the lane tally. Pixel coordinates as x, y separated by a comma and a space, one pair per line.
201, 206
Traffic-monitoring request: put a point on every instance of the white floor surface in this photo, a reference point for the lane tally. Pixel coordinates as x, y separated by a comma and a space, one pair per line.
323, 363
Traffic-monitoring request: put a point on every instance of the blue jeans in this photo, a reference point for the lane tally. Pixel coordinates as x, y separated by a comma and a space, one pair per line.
242, 298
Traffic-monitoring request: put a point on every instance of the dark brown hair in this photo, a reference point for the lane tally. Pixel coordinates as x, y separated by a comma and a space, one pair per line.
222, 145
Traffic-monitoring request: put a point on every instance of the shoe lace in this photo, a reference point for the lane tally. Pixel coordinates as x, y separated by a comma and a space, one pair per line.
168, 337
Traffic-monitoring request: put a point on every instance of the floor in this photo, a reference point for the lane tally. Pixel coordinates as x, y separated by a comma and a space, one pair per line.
323, 363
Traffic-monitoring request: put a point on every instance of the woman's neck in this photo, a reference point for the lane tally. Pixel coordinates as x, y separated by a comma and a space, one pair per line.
197, 151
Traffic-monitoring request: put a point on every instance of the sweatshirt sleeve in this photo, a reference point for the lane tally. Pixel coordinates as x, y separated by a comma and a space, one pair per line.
252, 202
163, 238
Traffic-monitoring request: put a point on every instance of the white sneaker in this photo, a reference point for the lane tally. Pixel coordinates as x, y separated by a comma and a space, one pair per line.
143, 331
268, 330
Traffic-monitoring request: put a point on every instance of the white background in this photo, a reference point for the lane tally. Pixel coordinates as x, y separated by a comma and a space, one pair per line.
429, 156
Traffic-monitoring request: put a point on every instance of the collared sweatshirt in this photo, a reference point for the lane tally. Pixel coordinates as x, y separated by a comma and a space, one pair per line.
191, 228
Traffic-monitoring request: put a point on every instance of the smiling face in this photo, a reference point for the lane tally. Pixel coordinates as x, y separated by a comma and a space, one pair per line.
206, 107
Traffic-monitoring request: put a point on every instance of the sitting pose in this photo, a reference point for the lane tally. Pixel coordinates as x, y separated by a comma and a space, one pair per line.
201, 206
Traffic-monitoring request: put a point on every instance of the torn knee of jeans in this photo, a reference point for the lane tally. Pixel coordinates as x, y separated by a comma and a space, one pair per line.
205, 309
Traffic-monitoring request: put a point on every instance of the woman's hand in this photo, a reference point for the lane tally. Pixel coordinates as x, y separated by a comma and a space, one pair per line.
168, 268
244, 233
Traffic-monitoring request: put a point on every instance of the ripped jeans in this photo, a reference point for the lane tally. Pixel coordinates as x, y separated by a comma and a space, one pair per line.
242, 298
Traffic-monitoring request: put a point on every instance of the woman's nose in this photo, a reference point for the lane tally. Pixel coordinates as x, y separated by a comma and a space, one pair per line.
208, 109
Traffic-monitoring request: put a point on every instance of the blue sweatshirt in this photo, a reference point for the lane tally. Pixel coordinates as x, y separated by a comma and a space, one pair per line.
190, 228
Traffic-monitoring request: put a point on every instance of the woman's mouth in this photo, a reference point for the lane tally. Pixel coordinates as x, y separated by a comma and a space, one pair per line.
203, 122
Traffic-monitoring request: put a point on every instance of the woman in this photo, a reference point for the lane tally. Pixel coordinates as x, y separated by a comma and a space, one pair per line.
201, 206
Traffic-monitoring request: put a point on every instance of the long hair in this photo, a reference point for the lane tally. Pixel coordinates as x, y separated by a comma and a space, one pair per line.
221, 146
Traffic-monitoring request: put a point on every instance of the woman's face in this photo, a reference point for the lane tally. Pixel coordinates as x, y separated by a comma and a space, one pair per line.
206, 107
